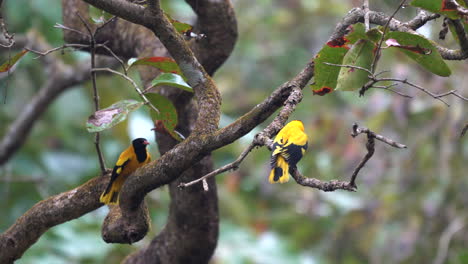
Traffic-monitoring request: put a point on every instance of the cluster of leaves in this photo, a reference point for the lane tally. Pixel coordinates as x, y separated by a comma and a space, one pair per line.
448, 8
165, 119
358, 50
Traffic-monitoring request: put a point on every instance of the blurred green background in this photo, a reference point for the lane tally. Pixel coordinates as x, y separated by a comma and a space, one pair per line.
409, 204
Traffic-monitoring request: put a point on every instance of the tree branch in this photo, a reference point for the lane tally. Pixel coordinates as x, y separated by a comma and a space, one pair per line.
47, 213
421, 19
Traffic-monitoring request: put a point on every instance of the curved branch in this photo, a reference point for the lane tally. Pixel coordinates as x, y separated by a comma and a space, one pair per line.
131, 41
327, 186
265, 109
217, 20
55, 210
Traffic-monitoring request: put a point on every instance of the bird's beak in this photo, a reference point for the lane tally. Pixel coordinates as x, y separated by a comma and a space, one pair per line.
146, 142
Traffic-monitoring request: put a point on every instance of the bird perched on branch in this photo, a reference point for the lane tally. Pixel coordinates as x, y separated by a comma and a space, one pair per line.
288, 147
129, 160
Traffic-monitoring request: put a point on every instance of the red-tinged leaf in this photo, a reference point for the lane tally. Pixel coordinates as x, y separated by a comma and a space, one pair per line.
166, 120
449, 5
179, 26
416, 49
9, 64
322, 91
360, 55
112, 115
326, 75
164, 64
444, 7
421, 50
338, 42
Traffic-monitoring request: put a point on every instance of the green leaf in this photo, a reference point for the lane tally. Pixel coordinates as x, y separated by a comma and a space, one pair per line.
172, 79
164, 64
439, 6
356, 32
374, 35
421, 50
9, 64
326, 75
361, 55
167, 115
179, 26
112, 115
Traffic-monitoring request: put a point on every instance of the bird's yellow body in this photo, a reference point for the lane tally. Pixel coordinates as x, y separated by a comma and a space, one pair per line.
129, 160
288, 148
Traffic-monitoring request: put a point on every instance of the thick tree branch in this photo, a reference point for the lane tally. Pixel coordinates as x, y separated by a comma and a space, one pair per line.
48, 213
421, 19
126, 39
217, 20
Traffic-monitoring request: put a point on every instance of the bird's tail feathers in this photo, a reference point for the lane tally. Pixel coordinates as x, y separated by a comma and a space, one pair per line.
111, 195
279, 171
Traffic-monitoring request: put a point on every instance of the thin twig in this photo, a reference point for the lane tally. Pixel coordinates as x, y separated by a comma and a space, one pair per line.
365, 7
379, 46
387, 88
350, 66
92, 47
81, 46
100, 27
231, 166
360, 130
370, 146
433, 95
373, 80
8, 77
326, 186
60, 26
122, 63
132, 82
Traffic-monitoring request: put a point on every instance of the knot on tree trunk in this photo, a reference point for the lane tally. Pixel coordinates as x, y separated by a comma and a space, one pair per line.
128, 228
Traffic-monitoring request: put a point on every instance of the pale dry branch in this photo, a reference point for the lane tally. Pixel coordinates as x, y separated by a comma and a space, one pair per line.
231, 166
360, 130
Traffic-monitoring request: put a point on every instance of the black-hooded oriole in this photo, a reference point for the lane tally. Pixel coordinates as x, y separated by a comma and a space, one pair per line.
129, 160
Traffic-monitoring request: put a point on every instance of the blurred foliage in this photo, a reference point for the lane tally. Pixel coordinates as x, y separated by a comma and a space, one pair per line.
406, 198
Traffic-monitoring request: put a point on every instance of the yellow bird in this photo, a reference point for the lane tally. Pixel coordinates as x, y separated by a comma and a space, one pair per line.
288, 147
129, 160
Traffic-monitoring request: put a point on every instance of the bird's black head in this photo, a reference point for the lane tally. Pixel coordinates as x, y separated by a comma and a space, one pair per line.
140, 143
